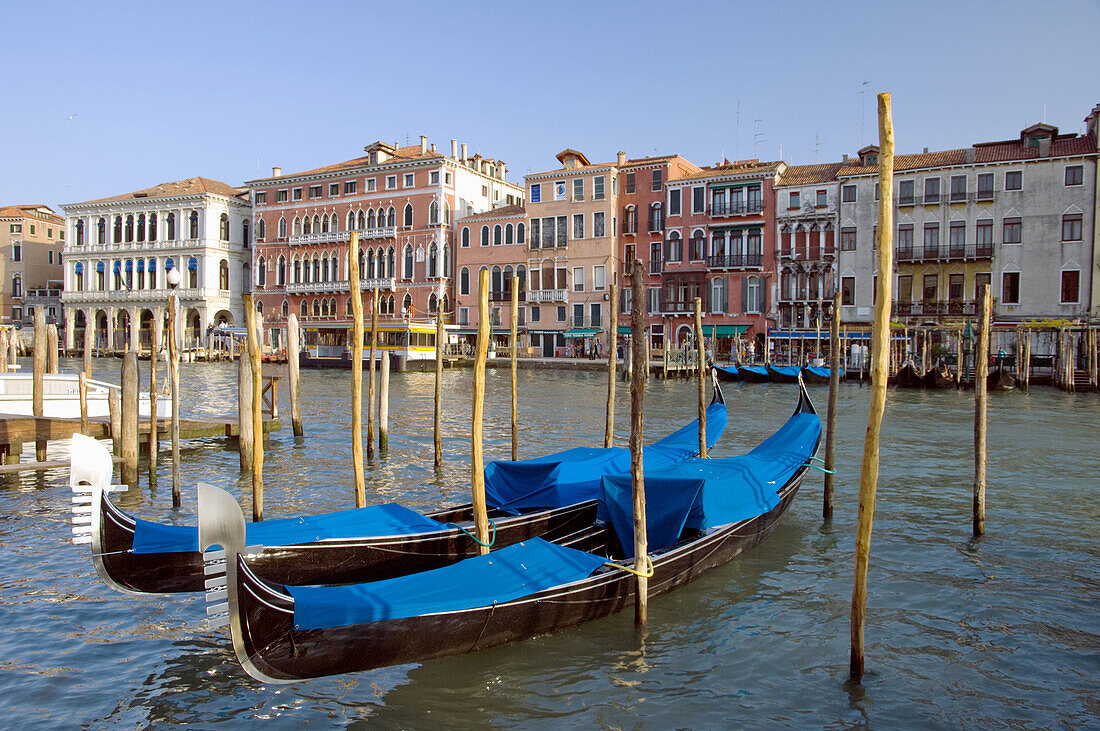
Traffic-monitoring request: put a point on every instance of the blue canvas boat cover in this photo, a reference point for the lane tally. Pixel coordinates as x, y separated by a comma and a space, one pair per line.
789, 371
822, 372
573, 476
758, 370
517, 571
705, 493
731, 371
374, 520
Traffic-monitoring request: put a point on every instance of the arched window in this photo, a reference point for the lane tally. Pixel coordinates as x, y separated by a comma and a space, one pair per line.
334, 223
152, 227
464, 281
698, 250
362, 264
261, 230
433, 303
282, 228
656, 219
718, 296
351, 220
78, 276
332, 306
316, 308
223, 228
391, 266
497, 241
297, 226
484, 235
324, 269
118, 230
304, 309
360, 220
407, 270
496, 280
101, 231
130, 228
286, 309
508, 280
316, 269
465, 237
259, 307
432, 261
521, 276
307, 226
171, 232
446, 213
521, 236
408, 214
324, 224
407, 305
392, 304
370, 218
446, 272
391, 217
675, 248
261, 272
433, 213
368, 270
80, 233
223, 275
324, 307
194, 226
508, 234
152, 267
297, 271
316, 225
333, 263
141, 228
193, 273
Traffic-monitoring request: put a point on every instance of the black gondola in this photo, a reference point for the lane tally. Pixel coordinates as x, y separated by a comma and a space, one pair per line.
286, 633
908, 377
939, 377
727, 373
783, 374
753, 374
134, 556
1000, 379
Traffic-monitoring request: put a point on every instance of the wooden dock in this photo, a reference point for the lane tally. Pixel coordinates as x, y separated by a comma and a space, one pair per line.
16, 430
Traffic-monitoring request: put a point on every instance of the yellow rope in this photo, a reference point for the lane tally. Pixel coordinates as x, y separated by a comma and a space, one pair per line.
648, 563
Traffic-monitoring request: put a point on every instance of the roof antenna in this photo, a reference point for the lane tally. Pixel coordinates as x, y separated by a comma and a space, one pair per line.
862, 104
737, 139
757, 137
1044, 112
817, 145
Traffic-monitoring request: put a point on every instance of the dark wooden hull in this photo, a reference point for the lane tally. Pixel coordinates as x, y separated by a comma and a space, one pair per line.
724, 374
335, 561
1000, 380
935, 378
751, 376
810, 377
907, 377
277, 651
778, 377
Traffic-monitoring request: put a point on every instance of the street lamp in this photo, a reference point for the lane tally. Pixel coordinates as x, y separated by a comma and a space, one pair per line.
173, 277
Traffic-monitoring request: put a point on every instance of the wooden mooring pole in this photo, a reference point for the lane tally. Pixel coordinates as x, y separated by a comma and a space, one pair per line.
38, 376
612, 366
701, 349
437, 426
114, 411
477, 456
356, 373
51, 348
83, 381
637, 426
370, 372
880, 343
515, 354
174, 389
154, 440
293, 336
384, 403
981, 372
130, 417
257, 411
3, 350
89, 345
836, 362
245, 438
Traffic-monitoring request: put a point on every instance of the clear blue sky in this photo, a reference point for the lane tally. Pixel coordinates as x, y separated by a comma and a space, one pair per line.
225, 90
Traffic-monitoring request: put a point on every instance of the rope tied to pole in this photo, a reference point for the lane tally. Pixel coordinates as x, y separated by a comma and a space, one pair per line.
822, 469
492, 534
648, 572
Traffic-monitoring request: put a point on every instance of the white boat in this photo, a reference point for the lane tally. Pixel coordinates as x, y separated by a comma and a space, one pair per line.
61, 397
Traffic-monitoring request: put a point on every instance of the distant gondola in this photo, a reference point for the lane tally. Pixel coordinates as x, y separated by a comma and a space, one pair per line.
1000, 379
819, 375
783, 374
908, 377
753, 374
702, 514
544, 496
939, 377
727, 373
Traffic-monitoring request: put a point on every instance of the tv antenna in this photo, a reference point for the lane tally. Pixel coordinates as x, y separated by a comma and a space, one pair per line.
757, 137
862, 104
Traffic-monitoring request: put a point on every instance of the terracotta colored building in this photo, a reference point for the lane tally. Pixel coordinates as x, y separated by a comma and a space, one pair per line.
32, 238
494, 241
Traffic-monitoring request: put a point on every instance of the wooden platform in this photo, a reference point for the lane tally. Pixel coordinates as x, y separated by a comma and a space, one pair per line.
17, 430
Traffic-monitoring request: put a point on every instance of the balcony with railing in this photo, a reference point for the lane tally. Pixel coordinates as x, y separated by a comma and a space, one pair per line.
736, 261
932, 199
506, 295
655, 265
547, 295
656, 223
630, 226
968, 252
736, 208
932, 308
341, 285
331, 237
36, 295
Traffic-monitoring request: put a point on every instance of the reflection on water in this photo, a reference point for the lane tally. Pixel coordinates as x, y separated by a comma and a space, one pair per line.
1000, 631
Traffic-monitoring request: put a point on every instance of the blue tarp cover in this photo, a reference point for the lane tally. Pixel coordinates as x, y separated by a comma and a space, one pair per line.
790, 371
731, 370
705, 493
375, 520
758, 370
511, 573
573, 476
822, 372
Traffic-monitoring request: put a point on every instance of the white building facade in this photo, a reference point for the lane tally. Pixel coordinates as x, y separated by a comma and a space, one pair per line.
119, 252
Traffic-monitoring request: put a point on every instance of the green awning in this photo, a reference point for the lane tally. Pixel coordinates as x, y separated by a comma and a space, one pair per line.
725, 331
582, 332
624, 330
465, 331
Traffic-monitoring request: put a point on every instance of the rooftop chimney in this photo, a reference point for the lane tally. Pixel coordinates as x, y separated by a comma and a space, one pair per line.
454, 149
926, 151
971, 155
463, 153
423, 144
1044, 147
845, 158
433, 147
276, 172
621, 160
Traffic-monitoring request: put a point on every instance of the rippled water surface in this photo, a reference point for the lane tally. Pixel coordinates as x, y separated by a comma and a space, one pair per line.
998, 632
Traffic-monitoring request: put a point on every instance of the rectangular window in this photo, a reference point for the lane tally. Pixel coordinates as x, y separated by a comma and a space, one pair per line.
599, 277
1014, 180
629, 187
985, 187
463, 315
410, 179
905, 193
447, 179
822, 198
578, 315
49, 233
931, 240
261, 198
391, 182
1010, 288
878, 191
848, 238
548, 237
536, 194
955, 287
931, 190
559, 190
847, 291
280, 196
657, 179
433, 178
372, 185
931, 285
598, 224
957, 237
958, 188
1071, 281
578, 189
848, 194
653, 300
562, 232
905, 288
314, 191
561, 314
296, 194
578, 279
983, 237
1075, 174
535, 240
536, 314
674, 202
50, 256
905, 238
1071, 227
981, 278
697, 198
794, 199
594, 315
17, 252
597, 188
1013, 231
578, 225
